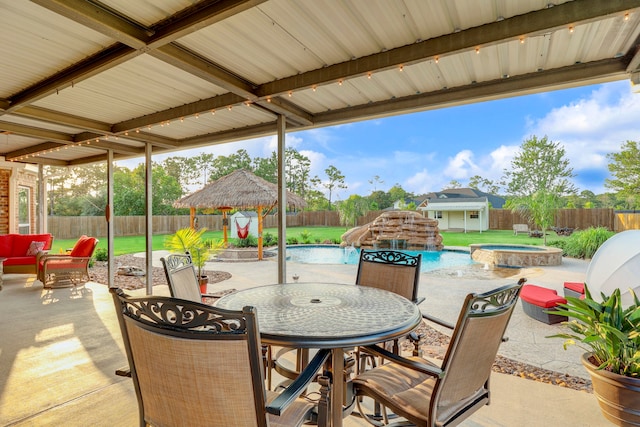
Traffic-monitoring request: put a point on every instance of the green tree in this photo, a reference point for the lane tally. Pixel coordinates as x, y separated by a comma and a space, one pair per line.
266, 167
298, 169
539, 178
375, 180
483, 184
453, 184
129, 191
397, 193
379, 200
186, 170
224, 165
625, 169
350, 209
335, 180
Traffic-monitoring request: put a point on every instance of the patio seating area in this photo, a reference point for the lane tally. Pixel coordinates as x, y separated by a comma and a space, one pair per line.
62, 347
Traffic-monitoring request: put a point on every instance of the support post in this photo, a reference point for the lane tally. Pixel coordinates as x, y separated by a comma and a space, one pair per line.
282, 203
148, 169
109, 216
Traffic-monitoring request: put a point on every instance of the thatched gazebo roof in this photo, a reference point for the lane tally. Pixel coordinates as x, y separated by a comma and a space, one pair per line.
239, 190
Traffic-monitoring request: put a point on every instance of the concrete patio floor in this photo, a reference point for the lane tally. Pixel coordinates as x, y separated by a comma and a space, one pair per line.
59, 348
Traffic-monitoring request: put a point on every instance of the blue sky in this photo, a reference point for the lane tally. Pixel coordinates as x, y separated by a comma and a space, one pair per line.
425, 151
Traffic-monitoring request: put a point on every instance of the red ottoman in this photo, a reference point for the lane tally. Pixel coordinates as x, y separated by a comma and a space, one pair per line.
574, 289
536, 300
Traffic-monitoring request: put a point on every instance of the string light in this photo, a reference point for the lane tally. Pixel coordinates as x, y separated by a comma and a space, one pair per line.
229, 107
626, 16
314, 88
268, 99
521, 40
213, 112
369, 75
340, 82
181, 119
571, 29
197, 115
402, 68
477, 50
437, 59
290, 94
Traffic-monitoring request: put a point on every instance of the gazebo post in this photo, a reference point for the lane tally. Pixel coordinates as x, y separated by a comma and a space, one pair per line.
259, 233
192, 217
225, 226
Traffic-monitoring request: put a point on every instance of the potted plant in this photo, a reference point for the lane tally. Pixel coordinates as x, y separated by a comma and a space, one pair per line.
189, 241
610, 333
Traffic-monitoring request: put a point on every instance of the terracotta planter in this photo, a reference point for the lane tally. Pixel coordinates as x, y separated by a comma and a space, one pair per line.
618, 396
204, 280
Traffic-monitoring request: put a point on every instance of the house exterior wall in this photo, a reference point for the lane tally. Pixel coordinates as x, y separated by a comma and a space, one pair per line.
453, 216
13, 176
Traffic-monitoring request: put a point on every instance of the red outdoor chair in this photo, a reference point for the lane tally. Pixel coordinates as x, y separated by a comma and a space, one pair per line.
55, 271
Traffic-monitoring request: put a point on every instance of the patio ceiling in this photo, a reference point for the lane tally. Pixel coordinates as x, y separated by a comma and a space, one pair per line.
78, 77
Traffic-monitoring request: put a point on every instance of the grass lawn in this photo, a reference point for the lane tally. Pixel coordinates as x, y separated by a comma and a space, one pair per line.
132, 244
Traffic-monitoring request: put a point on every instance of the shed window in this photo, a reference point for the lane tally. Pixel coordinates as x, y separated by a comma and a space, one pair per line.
474, 214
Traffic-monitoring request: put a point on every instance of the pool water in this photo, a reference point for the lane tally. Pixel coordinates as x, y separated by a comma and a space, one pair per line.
335, 255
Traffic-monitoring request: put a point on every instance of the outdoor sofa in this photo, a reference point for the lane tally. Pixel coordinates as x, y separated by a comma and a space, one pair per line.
21, 251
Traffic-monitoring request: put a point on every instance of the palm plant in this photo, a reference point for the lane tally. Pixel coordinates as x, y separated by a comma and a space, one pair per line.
610, 331
190, 241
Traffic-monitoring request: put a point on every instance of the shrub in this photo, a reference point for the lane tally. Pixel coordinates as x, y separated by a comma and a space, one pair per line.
249, 242
584, 243
269, 239
101, 254
305, 236
292, 240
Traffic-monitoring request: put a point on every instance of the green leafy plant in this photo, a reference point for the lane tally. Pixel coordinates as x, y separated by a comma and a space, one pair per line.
101, 254
249, 242
188, 240
305, 237
584, 243
269, 239
610, 331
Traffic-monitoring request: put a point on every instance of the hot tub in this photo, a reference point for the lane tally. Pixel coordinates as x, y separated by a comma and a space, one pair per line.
515, 255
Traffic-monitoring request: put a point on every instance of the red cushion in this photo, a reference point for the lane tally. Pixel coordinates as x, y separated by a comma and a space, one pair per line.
84, 246
6, 245
21, 242
20, 260
542, 297
59, 264
575, 286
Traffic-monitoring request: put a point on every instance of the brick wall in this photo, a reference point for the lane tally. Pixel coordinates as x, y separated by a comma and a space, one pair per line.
5, 174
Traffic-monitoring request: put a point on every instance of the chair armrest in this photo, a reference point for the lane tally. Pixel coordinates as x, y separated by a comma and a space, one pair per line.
280, 403
432, 370
46, 258
438, 321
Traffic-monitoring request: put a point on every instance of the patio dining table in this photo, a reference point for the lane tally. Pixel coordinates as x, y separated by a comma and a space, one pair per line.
327, 316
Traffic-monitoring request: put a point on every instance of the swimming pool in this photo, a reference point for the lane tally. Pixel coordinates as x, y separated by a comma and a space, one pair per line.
310, 254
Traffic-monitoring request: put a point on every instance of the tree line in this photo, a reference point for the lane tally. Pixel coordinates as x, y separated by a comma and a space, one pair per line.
538, 182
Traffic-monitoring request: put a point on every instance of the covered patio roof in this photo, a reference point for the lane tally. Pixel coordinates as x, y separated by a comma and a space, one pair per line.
80, 77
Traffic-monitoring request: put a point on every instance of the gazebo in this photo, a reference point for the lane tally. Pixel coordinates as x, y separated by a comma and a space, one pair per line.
239, 190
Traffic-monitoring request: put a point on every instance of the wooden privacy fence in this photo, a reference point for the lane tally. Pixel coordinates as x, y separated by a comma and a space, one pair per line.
70, 227
503, 219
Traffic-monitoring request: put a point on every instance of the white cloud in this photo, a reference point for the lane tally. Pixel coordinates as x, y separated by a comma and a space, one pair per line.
462, 166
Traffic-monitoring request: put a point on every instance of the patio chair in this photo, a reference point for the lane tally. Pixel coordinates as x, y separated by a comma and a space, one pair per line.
430, 395
64, 270
392, 271
193, 364
182, 278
